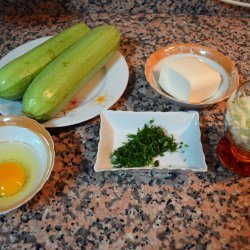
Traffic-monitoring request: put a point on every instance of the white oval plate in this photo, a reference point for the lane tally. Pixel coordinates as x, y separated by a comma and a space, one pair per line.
238, 3
98, 95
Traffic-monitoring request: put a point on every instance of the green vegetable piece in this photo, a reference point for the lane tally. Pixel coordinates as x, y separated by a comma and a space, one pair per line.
156, 164
141, 148
55, 86
16, 75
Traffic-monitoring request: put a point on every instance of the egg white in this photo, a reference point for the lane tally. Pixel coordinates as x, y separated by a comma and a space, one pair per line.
27, 157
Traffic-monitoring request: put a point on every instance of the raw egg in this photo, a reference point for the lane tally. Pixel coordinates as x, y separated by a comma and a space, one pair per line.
20, 172
12, 178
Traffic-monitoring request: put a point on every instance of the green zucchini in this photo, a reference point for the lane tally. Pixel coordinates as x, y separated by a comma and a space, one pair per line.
55, 86
16, 75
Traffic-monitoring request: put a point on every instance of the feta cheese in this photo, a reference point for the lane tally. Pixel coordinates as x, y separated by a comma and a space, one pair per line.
189, 79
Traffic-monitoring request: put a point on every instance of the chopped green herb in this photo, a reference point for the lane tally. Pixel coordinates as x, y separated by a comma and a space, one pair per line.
156, 163
181, 145
141, 148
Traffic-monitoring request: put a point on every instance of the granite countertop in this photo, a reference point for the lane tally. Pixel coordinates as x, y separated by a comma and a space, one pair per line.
153, 209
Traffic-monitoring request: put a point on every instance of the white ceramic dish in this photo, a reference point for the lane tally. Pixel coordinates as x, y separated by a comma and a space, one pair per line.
238, 3
115, 125
99, 94
28, 134
230, 77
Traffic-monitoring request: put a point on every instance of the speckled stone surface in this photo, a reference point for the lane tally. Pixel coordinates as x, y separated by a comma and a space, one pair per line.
151, 209
55, 7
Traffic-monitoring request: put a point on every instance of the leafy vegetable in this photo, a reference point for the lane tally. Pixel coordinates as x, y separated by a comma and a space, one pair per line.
141, 148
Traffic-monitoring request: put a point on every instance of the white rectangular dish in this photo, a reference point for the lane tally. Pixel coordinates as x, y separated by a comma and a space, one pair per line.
184, 126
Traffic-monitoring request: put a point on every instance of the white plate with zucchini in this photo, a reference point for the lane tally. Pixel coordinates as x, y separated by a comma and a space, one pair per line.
98, 95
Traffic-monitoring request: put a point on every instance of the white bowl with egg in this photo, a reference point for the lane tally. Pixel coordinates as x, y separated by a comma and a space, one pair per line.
191, 75
26, 160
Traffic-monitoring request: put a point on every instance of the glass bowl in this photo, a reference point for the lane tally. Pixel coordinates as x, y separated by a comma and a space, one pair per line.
234, 147
29, 144
230, 77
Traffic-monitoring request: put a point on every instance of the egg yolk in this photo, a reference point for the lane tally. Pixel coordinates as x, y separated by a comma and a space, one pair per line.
12, 178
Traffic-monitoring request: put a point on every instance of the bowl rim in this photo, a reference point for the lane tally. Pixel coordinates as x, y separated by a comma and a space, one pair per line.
44, 135
159, 54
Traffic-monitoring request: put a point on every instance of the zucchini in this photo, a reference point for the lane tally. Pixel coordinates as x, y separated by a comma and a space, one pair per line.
55, 86
16, 75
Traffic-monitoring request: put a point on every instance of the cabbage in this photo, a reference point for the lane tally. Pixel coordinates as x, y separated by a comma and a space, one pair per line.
238, 120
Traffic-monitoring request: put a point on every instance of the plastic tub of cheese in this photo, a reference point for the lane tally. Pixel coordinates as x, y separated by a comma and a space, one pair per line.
191, 75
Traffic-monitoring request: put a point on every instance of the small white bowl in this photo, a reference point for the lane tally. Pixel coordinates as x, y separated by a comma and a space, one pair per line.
29, 134
230, 77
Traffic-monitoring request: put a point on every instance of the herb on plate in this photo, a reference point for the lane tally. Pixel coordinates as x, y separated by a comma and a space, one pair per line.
141, 148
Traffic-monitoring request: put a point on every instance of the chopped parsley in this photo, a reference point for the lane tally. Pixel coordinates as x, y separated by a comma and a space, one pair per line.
141, 148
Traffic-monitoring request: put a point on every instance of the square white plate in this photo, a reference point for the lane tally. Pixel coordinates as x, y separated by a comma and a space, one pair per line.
184, 126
